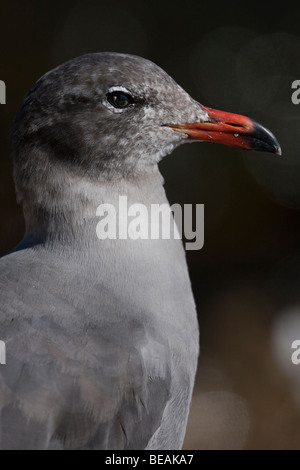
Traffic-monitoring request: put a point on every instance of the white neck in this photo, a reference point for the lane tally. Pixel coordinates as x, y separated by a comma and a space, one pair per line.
64, 212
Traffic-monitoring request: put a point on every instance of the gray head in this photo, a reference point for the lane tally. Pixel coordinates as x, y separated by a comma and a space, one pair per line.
108, 115
100, 115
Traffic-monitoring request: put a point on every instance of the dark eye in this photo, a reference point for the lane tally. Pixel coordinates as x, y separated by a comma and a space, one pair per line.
119, 99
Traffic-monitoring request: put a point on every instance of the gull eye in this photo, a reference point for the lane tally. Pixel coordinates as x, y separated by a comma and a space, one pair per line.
119, 99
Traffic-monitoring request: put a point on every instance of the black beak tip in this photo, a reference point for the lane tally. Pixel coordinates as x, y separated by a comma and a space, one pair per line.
263, 139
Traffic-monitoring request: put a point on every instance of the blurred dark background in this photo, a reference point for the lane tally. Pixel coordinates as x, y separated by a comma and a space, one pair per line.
239, 57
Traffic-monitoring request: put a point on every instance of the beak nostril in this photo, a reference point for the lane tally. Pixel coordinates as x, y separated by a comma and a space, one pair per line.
233, 125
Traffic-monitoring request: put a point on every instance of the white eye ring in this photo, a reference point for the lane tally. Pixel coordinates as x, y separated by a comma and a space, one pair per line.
117, 89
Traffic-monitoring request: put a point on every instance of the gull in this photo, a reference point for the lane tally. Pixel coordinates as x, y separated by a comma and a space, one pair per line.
101, 336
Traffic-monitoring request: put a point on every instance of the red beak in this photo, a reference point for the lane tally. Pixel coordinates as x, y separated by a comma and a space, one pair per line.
231, 129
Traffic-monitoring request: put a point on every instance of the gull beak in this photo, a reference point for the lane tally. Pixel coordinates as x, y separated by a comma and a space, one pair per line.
231, 129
